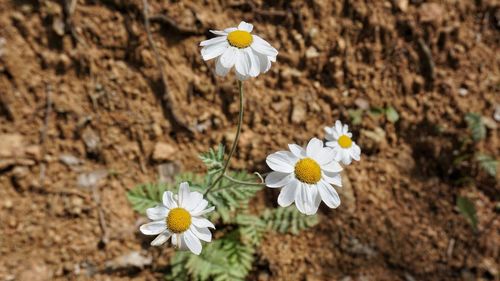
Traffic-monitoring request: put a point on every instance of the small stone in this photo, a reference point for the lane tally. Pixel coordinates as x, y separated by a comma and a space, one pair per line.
496, 115
312, 53
131, 260
33, 151
402, 5
88, 180
91, 140
163, 151
362, 103
463, 92
69, 160
167, 172
298, 113
10, 145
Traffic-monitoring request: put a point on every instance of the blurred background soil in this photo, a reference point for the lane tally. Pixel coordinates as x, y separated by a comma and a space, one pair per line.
84, 117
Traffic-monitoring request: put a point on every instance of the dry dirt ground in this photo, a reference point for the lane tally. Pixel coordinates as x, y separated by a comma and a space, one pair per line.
84, 117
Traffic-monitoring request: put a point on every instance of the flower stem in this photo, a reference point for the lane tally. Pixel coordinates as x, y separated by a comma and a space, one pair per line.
235, 142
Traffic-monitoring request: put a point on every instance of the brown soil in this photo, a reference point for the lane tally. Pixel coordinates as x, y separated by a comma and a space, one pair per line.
433, 61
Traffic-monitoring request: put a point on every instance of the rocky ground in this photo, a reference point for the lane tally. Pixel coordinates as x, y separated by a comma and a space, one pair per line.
85, 116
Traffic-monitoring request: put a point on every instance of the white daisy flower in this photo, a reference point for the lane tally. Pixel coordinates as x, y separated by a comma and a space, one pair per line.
340, 140
180, 217
306, 176
249, 54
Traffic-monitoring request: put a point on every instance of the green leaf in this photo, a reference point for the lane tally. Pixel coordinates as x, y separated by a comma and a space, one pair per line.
214, 159
225, 259
251, 228
228, 196
146, 196
288, 220
391, 114
488, 163
467, 209
376, 111
476, 126
356, 116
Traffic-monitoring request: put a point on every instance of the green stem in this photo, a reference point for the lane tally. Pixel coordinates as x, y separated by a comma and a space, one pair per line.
235, 142
243, 182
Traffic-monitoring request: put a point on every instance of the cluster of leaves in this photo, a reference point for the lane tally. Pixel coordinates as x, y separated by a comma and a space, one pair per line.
230, 256
477, 129
389, 112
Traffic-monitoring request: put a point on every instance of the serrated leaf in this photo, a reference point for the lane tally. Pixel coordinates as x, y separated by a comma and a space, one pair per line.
488, 163
225, 259
145, 196
251, 228
356, 116
468, 210
288, 220
476, 126
391, 114
228, 196
214, 159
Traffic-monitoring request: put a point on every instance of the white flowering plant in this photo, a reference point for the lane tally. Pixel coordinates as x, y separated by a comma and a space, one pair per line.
196, 206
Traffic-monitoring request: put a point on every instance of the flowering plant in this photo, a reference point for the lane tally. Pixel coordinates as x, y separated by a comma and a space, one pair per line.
305, 175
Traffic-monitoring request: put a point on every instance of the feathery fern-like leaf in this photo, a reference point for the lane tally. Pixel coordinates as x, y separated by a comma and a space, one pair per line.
476, 126
288, 219
146, 196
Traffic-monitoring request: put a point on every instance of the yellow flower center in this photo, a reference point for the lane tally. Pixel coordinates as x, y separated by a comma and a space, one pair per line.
240, 39
345, 141
307, 170
178, 220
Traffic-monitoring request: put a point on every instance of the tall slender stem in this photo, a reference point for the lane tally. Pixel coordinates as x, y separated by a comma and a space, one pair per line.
235, 142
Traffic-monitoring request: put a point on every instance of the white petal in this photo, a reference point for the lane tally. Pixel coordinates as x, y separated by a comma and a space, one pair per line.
157, 213
278, 179
200, 207
314, 147
168, 200
263, 47
329, 195
183, 194
355, 152
178, 241
325, 156
311, 193
242, 64
192, 201
202, 222
214, 40
204, 211
297, 150
338, 127
245, 26
202, 233
242, 77
192, 242
228, 58
287, 194
254, 62
346, 158
220, 69
301, 198
332, 178
230, 29
345, 129
218, 32
264, 62
162, 238
329, 133
153, 228
213, 51
333, 167
281, 161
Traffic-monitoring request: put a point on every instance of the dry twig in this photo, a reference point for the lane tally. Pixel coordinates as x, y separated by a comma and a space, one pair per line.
43, 132
170, 22
167, 99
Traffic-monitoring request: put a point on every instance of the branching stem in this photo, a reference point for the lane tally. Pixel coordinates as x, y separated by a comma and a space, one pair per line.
235, 142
